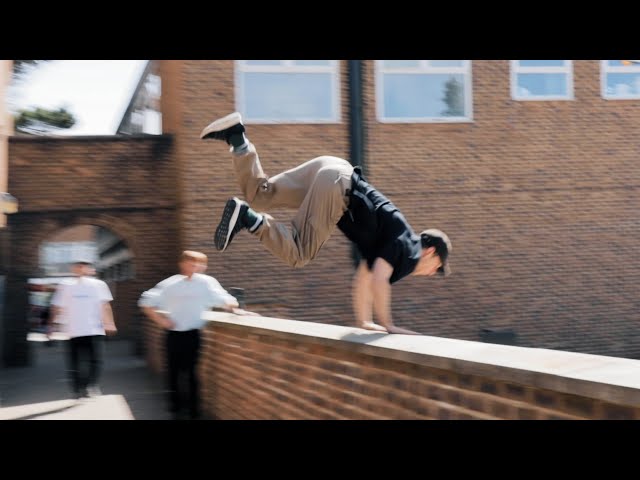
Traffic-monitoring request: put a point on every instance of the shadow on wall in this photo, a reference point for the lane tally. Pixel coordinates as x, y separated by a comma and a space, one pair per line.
500, 336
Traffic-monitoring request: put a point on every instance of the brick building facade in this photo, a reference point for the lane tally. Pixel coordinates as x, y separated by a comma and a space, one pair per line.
539, 198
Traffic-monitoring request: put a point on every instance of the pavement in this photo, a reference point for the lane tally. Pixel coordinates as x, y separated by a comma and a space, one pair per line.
130, 391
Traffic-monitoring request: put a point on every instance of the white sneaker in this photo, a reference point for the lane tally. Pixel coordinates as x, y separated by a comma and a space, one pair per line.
222, 128
94, 391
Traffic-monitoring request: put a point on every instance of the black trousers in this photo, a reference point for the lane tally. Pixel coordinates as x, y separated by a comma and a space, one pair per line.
183, 351
85, 361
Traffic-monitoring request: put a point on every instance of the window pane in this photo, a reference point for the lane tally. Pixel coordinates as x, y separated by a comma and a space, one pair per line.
262, 62
288, 96
618, 63
446, 63
542, 84
541, 63
623, 84
416, 96
401, 63
323, 63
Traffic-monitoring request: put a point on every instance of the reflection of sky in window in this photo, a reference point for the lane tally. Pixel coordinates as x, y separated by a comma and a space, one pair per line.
623, 84
446, 63
542, 84
616, 63
541, 63
324, 63
288, 96
401, 63
416, 63
153, 85
416, 96
262, 62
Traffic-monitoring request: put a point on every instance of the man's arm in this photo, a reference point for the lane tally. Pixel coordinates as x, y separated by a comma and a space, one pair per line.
159, 318
56, 313
56, 304
223, 300
107, 319
363, 299
150, 300
218, 297
226, 300
381, 291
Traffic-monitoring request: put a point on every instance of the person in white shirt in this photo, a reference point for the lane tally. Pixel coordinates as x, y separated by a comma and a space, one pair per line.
176, 304
82, 307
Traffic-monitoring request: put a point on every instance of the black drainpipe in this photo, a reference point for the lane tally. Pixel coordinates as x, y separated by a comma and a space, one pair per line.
356, 123
356, 126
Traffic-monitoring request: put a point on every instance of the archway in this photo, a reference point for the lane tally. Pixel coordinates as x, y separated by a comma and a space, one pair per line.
113, 262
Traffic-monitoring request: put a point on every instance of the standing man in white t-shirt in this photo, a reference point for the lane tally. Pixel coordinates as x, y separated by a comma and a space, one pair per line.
82, 306
176, 304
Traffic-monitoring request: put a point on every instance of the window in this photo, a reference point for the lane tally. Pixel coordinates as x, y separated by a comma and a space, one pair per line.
541, 80
413, 91
620, 79
293, 91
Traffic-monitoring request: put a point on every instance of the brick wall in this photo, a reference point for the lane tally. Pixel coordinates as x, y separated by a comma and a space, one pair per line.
539, 199
207, 177
276, 369
154, 346
125, 184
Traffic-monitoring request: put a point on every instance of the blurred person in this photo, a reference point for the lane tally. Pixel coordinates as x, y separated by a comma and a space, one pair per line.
82, 306
328, 192
47, 317
148, 299
177, 304
46, 323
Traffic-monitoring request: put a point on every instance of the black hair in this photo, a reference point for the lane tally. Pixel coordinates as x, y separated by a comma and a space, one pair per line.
438, 243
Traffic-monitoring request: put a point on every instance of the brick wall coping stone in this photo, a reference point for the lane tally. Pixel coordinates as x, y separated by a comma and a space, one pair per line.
610, 379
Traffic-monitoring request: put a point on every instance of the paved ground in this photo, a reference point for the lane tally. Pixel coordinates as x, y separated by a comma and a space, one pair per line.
130, 391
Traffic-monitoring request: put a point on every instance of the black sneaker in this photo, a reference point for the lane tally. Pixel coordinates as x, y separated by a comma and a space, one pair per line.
231, 223
80, 394
224, 127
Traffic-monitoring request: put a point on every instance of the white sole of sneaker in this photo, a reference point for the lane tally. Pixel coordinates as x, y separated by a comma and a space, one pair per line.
222, 124
232, 222
222, 236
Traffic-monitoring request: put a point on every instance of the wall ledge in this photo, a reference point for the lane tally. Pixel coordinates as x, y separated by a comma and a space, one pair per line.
610, 379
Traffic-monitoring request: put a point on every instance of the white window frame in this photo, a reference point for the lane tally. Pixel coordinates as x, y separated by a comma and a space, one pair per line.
606, 68
567, 69
287, 66
422, 69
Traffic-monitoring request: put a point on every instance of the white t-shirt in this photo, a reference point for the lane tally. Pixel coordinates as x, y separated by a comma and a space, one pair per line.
184, 300
150, 297
81, 300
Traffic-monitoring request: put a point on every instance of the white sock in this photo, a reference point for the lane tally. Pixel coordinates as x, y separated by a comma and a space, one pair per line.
241, 148
256, 224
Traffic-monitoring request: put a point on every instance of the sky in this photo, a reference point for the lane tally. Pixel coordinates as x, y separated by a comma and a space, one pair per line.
97, 92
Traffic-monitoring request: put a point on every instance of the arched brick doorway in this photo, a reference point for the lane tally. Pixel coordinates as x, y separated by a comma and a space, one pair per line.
114, 262
125, 185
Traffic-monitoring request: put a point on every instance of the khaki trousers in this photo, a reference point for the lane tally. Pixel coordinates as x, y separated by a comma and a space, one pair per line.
317, 189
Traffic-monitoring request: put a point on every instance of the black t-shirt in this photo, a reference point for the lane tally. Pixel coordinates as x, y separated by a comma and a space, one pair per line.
398, 244
379, 230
